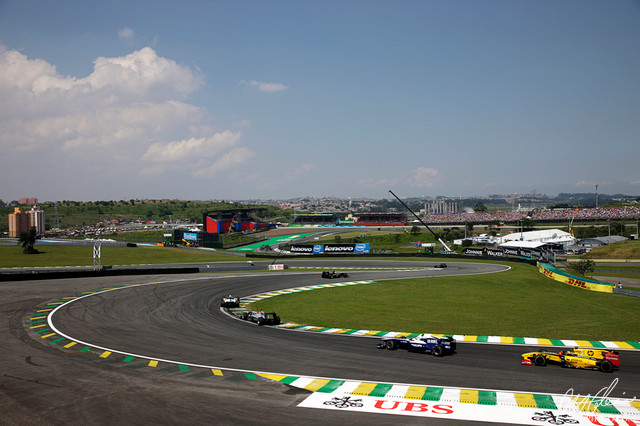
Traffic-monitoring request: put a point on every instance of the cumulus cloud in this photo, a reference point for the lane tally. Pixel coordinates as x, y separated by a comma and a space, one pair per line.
264, 87
129, 115
232, 158
424, 177
300, 170
125, 33
192, 148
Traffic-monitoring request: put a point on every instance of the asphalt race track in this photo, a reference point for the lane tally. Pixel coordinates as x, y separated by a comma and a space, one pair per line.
179, 319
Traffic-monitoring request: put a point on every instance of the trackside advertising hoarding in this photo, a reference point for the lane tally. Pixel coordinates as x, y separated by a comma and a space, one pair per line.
190, 236
530, 253
483, 252
556, 274
330, 248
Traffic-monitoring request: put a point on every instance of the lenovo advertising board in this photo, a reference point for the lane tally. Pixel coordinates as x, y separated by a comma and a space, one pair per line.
331, 248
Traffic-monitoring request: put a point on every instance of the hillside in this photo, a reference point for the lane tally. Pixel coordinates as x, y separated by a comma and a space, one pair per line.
620, 250
78, 213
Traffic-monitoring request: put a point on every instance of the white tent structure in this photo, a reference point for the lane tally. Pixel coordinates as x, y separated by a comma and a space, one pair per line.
546, 236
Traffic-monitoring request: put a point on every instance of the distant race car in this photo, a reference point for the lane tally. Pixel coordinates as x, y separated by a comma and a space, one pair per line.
440, 265
599, 359
437, 346
334, 274
230, 302
261, 317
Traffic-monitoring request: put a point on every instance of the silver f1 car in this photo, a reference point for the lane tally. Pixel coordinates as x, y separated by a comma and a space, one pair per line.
261, 317
230, 302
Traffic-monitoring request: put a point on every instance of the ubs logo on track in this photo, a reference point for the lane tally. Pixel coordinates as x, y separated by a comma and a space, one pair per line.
344, 402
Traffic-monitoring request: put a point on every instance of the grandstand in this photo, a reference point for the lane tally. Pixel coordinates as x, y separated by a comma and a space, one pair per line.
381, 219
325, 219
538, 215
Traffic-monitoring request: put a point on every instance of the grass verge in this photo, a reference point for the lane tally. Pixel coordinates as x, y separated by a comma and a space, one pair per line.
50, 255
519, 303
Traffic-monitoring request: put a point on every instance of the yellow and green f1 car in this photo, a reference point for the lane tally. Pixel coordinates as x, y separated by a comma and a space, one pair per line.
599, 359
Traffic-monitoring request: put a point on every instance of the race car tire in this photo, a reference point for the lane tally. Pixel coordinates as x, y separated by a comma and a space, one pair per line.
540, 360
276, 320
438, 351
391, 345
606, 366
245, 316
260, 321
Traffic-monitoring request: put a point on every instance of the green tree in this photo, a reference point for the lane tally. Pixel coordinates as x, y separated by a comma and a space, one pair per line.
528, 224
415, 230
480, 207
617, 228
28, 239
583, 266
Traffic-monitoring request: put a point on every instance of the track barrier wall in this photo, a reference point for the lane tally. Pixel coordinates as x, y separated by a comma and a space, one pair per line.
558, 275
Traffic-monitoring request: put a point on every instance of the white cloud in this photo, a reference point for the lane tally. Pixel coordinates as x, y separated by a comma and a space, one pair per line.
192, 148
232, 158
300, 171
424, 177
143, 73
593, 184
265, 87
635, 182
369, 183
125, 33
127, 119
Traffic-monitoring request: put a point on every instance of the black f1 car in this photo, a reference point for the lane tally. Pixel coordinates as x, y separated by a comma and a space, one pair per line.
261, 317
437, 346
334, 274
230, 302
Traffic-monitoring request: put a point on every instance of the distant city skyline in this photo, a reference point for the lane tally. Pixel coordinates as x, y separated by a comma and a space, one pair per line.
507, 197
278, 99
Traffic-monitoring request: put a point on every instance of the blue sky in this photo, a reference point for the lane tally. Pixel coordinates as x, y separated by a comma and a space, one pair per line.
281, 99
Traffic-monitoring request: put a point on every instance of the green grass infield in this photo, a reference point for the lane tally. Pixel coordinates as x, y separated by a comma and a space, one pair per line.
518, 303
50, 255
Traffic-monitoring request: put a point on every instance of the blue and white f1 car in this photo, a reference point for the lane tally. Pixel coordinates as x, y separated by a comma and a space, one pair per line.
437, 346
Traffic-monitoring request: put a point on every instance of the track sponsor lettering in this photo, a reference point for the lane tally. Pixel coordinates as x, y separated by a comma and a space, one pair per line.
277, 267
414, 407
548, 273
453, 408
473, 252
577, 283
612, 421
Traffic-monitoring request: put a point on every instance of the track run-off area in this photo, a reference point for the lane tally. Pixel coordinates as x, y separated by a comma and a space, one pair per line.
159, 349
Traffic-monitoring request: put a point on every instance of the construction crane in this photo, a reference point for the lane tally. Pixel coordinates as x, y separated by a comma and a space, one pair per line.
231, 225
422, 222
